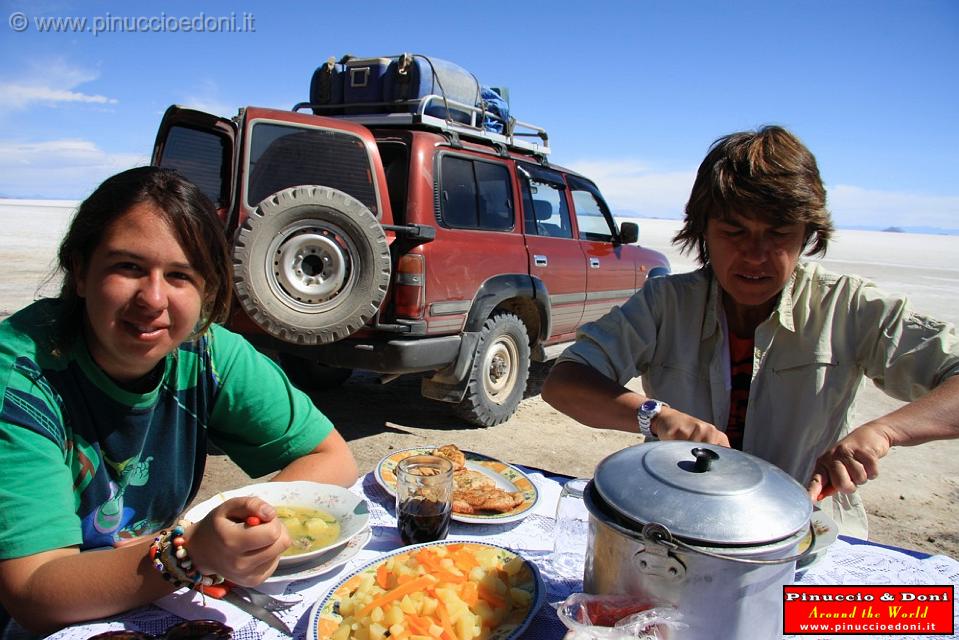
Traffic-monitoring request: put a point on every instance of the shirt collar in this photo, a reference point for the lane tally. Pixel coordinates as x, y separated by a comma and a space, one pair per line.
714, 310
783, 311
785, 307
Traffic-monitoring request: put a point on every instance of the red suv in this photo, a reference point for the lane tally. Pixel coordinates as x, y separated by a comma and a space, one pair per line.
400, 242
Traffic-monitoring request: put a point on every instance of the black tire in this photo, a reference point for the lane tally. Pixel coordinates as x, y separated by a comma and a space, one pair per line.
311, 265
499, 372
311, 375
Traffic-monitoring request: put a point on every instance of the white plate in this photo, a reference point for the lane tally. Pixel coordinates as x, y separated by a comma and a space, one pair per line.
349, 509
511, 631
826, 533
506, 476
324, 564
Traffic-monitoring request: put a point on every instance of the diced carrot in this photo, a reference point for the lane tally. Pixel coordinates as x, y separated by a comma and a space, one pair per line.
382, 576
403, 578
454, 546
469, 593
417, 624
325, 627
428, 558
464, 560
447, 576
409, 587
495, 599
448, 632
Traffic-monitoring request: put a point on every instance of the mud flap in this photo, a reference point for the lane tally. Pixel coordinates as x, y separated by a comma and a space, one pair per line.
449, 384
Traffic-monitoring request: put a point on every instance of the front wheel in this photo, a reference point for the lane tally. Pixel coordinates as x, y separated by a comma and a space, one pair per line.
499, 372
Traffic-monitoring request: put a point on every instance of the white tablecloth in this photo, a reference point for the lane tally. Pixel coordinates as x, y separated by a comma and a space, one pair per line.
844, 563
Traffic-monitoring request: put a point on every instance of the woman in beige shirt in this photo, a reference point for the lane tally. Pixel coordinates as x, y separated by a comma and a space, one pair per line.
759, 350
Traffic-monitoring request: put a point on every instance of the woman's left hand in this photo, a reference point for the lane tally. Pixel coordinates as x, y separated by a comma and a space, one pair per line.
850, 462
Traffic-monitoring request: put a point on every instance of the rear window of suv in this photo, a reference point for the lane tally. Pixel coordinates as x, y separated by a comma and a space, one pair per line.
475, 194
283, 156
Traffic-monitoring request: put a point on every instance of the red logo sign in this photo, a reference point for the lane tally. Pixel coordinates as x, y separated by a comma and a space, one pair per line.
869, 610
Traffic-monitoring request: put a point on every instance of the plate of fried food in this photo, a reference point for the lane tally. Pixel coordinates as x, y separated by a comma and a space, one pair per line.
485, 490
448, 589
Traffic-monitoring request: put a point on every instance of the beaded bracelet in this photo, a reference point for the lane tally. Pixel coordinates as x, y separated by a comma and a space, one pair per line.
170, 557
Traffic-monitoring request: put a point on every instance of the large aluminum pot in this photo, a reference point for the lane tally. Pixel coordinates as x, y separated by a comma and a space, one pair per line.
711, 531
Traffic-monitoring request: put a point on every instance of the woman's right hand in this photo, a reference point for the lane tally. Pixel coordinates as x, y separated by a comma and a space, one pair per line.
672, 424
223, 543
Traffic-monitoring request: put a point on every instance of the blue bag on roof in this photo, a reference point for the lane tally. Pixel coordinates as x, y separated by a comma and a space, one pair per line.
414, 76
496, 116
363, 83
326, 88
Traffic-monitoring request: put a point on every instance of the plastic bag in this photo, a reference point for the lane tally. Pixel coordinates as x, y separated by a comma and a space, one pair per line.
591, 617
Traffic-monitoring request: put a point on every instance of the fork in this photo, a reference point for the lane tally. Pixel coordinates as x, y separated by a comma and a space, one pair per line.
265, 600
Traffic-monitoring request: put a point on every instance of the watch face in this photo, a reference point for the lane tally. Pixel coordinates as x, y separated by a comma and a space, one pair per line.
649, 405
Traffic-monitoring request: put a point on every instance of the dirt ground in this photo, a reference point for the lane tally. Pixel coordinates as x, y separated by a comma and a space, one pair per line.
914, 503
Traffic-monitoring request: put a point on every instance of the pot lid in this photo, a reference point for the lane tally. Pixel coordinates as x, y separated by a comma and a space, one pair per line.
703, 493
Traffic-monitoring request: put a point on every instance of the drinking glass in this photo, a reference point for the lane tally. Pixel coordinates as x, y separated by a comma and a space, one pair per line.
424, 498
570, 531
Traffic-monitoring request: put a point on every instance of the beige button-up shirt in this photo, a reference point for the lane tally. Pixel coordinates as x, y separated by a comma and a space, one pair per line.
811, 356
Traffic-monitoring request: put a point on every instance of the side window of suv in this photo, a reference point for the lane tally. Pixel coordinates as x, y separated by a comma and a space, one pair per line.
475, 194
545, 212
592, 215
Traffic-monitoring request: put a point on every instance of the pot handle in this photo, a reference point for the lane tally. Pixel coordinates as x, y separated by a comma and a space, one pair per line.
660, 534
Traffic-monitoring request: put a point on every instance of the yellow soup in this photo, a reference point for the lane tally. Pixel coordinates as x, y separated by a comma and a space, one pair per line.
309, 528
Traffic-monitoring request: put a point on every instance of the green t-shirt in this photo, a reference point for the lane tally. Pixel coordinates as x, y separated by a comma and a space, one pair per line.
86, 462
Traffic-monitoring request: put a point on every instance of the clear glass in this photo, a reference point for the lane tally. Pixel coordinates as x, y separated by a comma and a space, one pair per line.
424, 498
570, 531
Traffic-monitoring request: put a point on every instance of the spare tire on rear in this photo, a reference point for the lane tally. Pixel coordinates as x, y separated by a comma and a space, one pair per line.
312, 265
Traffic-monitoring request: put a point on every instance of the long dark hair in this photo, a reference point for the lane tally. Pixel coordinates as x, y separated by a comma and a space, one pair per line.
766, 174
182, 205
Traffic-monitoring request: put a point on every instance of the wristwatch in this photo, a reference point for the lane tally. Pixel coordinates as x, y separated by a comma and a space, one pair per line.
645, 414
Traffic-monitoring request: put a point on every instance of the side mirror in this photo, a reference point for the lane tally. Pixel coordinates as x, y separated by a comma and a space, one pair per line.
628, 232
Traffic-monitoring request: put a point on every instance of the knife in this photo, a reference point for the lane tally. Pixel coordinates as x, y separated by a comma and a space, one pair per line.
224, 591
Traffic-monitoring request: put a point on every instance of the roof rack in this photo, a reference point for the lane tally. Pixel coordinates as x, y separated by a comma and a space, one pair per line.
517, 135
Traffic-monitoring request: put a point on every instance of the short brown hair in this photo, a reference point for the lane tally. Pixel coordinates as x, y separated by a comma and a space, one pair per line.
767, 174
182, 205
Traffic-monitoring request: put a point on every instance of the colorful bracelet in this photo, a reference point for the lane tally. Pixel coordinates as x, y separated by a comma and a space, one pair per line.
170, 557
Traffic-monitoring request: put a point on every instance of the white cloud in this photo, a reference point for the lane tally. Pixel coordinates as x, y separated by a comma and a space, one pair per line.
68, 168
633, 188
853, 206
51, 82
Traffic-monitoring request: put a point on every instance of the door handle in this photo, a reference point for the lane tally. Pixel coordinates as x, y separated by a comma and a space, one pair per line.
540, 261
594, 263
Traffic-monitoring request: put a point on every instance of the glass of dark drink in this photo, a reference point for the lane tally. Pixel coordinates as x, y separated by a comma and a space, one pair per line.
424, 498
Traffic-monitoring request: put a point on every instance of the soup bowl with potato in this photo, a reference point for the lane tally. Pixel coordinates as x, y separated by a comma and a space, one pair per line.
319, 517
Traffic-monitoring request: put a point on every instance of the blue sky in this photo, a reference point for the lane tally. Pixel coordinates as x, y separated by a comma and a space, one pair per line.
632, 93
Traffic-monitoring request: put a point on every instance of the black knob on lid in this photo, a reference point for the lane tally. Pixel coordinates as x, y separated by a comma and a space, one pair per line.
704, 459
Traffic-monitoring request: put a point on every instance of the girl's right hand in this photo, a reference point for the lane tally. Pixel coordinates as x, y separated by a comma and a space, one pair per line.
223, 543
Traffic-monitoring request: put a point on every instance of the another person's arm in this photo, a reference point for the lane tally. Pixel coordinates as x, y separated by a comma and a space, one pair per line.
855, 459
591, 398
909, 356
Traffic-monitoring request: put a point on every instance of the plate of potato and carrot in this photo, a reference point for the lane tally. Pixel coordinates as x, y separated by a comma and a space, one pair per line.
446, 589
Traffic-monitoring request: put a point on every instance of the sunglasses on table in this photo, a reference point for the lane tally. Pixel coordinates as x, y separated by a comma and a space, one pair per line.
189, 630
